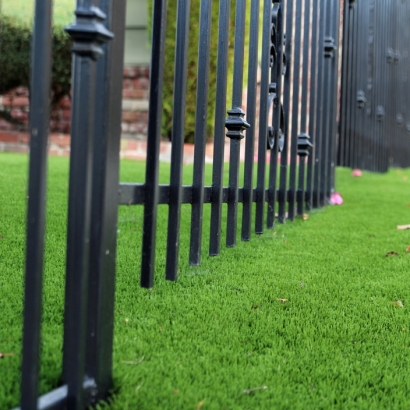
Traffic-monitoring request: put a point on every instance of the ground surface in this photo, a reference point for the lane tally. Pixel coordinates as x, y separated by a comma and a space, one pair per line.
340, 340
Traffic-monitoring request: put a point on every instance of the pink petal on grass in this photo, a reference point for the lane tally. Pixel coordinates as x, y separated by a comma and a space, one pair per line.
336, 199
357, 173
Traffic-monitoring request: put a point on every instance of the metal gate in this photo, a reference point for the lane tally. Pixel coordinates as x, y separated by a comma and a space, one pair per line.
375, 115
297, 122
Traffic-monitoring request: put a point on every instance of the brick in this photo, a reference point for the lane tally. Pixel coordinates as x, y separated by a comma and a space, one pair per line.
141, 83
138, 128
127, 83
135, 105
7, 101
64, 103
21, 102
132, 93
21, 91
9, 136
130, 116
129, 72
14, 148
5, 125
132, 145
61, 140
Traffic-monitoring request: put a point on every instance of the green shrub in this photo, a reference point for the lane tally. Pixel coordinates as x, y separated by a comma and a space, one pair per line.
193, 67
15, 43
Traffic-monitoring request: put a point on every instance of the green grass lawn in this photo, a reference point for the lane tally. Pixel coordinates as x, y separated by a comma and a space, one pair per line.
63, 10
338, 342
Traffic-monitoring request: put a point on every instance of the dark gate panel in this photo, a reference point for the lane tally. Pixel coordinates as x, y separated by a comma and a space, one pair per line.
375, 132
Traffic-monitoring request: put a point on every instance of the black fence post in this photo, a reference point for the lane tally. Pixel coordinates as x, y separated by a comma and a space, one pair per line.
88, 34
104, 203
39, 128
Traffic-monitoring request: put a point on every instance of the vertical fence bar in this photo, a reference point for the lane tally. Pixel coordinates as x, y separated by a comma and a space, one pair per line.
346, 90
352, 90
235, 123
263, 116
377, 84
39, 128
370, 126
276, 128
219, 139
334, 90
313, 105
200, 132
178, 127
153, 140
327, 97
401, 119
88, 33
303, 137
282, 193
341, 158
360, 94
251, 116
295, 111
104, 212
393, 89
320, 106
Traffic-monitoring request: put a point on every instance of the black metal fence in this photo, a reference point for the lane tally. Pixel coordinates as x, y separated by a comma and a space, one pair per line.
292, 114
375, 126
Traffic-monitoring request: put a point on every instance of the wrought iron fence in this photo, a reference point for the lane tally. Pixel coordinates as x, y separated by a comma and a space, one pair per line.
292, 114
375, 126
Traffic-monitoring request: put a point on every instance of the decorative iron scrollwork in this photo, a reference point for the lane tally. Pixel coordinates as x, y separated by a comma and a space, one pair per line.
89, 32
330, 47
397, 57
276, 136
236, 123
380, 113
304, 145
390, 55
361, 99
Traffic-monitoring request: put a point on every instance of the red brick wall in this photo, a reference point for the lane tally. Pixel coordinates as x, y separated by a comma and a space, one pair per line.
14, 133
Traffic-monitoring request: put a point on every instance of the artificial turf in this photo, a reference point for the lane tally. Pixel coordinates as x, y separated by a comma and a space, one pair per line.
339, 341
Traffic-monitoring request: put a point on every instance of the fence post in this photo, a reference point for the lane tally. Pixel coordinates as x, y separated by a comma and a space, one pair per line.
39, 128
88, 33
104, 202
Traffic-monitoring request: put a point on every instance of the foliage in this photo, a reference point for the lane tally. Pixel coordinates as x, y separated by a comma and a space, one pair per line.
15, 57
63, 10
193, 67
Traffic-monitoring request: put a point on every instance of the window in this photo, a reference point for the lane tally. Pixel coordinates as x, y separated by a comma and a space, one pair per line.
137, 47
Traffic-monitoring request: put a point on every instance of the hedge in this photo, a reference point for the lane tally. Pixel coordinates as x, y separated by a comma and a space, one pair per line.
193, 66
15, 43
